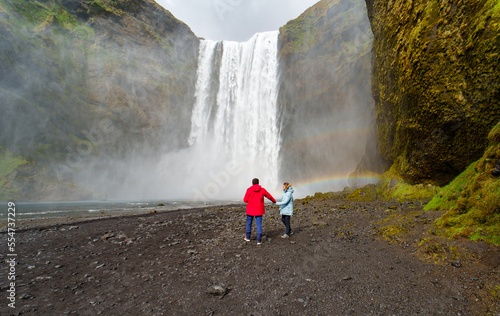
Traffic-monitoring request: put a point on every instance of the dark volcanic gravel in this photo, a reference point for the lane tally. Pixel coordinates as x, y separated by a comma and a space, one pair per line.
196, 262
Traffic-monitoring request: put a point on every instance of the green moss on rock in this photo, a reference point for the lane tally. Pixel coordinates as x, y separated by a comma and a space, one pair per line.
392, 186
473, 198
436, 83
364, 194
9, 162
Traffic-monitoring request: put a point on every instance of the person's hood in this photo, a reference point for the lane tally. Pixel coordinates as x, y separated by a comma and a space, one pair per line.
290, 189
256, 187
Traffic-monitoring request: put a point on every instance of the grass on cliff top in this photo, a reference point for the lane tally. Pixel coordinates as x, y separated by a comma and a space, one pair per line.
39, 13
473, 199
38, 17
106, 6
303, 33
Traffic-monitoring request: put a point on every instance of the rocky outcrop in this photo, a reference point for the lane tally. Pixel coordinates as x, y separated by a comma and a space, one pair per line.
325, 99
436, 83
82, 79
472, 199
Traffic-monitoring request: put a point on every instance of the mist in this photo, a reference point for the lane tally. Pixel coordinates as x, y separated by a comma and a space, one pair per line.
324, 117
136, 117
328, 119
86, 101
233, 132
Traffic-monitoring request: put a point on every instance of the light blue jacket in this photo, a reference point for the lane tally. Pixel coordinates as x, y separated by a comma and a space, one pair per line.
286, 204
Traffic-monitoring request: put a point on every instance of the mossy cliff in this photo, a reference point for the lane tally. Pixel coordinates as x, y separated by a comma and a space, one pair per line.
324, 96
472, 200
435, 82
82, 79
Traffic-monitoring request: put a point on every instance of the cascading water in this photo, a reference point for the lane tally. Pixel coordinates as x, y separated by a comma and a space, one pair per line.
319, 132
234, 134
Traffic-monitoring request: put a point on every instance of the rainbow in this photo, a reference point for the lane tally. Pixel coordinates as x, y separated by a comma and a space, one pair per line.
331, 182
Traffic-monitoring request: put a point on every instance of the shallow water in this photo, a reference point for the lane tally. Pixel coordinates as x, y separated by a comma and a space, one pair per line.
28, 210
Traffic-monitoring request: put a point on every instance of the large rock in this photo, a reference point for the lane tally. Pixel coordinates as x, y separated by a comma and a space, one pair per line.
436, 83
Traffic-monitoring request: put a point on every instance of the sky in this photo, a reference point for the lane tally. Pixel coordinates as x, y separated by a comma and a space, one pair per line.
235, 20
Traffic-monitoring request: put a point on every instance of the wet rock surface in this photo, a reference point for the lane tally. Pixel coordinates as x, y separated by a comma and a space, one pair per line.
195, 262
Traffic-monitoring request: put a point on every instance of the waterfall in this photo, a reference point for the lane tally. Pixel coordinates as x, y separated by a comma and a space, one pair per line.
234, 118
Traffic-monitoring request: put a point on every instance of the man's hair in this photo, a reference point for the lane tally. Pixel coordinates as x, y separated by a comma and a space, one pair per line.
255, 181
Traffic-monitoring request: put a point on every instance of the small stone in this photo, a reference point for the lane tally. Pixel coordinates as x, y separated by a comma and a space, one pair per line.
217, 290
347, 278
456, 264
26, 296
107, 236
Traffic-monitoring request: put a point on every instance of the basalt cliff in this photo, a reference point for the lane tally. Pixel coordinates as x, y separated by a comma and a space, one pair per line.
81, 79
435, 82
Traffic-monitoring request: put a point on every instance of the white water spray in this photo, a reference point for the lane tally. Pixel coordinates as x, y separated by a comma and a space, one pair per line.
234, 134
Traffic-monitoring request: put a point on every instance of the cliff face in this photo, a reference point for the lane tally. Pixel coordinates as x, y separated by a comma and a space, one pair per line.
436, 83
82, 79
472, 199
325, 99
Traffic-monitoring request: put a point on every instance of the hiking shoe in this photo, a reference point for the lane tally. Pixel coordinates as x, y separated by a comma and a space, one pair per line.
285, 236
246, 239
259, 243
291, 233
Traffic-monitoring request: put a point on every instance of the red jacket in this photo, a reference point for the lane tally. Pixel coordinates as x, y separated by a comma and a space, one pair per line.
255, 200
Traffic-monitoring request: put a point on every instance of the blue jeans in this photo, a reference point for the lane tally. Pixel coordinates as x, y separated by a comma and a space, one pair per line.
258, 222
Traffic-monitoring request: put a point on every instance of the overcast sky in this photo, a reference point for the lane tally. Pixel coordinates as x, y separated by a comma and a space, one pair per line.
235, 20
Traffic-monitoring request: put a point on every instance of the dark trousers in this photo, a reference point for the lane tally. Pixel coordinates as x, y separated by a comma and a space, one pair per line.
286, 220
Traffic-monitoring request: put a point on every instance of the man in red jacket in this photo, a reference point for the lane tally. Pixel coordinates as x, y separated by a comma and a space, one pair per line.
255, 208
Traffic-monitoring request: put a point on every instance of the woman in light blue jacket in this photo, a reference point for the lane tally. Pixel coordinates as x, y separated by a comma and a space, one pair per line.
286, 208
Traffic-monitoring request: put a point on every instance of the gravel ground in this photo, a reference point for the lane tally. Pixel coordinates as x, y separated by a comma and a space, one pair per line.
345, 258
